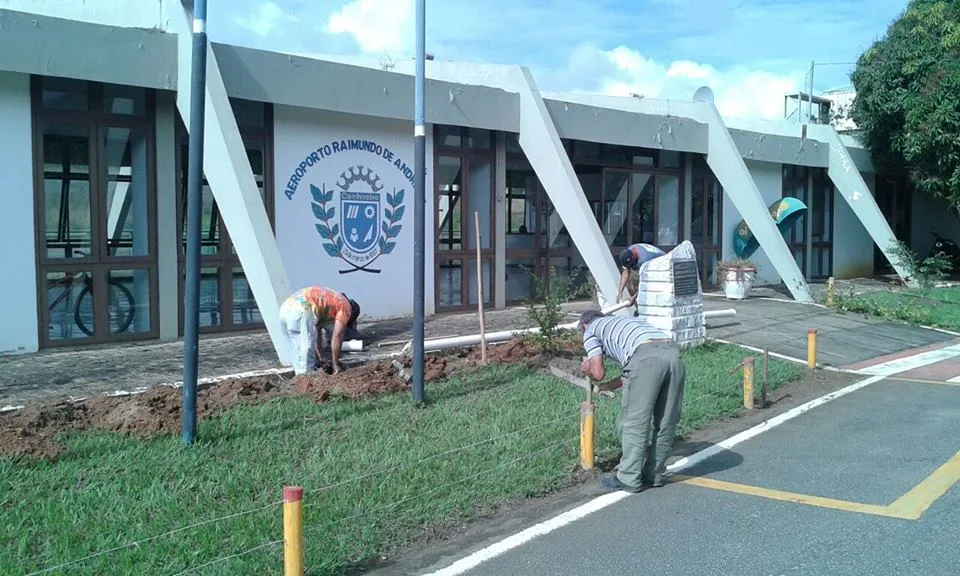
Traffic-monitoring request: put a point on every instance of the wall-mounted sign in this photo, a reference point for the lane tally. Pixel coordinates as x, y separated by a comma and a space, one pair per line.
358, 206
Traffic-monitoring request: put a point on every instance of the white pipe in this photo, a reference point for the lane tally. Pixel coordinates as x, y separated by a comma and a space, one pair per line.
719, 313
352, 346
474, 339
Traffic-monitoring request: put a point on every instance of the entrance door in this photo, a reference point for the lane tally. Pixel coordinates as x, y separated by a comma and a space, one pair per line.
895, 202
641, 207
706, 222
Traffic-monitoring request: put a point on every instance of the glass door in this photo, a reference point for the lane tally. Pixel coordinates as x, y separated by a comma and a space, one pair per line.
464, 194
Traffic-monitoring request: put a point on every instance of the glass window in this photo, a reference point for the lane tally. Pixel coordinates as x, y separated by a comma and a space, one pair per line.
513, 144
479, 185
127, 100
585, 152
642, 207
249, 114
519, 204
64, 94
245, 310
210, 297
128, 301
450, 283
616, 191
69, 301
449, 136
486, 266
67, 202
449, 225
698, 197
714, 211
669, 159
554, 233
126, 215
668, 210
479, 139
519, 285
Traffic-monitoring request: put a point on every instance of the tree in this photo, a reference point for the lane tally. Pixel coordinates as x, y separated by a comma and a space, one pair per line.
908, 97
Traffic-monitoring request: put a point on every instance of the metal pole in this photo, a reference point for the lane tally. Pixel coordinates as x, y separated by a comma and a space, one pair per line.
810, 107
419, 204
191, 300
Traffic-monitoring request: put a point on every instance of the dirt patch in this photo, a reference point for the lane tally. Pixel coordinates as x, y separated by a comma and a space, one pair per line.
529, 351
36, 429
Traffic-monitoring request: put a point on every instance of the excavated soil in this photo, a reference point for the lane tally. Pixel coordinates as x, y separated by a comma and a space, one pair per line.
528, 351
35, 430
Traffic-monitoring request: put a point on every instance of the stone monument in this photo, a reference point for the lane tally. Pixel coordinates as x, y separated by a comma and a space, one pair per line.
671, 296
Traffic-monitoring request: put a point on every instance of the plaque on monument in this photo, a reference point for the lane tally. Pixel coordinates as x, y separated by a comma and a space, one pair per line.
685, 278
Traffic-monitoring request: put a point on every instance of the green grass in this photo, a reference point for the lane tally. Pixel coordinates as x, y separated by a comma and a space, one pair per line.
396, 472
938, 307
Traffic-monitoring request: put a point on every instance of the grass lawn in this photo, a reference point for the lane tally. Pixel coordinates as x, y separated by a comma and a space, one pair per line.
938, 307
377, 473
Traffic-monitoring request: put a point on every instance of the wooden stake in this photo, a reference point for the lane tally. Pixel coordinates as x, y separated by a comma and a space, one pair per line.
763, 385
483, 335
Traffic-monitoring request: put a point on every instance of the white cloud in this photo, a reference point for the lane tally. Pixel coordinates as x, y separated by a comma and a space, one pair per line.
738, 92
377, 26
267, 18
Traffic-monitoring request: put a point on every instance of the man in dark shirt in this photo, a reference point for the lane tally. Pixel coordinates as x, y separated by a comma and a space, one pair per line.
631, 259
652, 378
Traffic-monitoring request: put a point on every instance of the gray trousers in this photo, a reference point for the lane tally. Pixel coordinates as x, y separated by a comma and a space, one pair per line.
653, 382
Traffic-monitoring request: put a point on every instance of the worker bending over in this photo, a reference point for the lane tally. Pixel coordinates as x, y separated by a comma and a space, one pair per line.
309, 310
631, 259
652, 379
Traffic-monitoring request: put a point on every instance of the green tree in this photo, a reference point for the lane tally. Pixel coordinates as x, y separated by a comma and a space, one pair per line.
908, 97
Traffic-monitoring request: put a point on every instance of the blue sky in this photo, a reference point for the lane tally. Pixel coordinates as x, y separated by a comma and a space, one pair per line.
749, 51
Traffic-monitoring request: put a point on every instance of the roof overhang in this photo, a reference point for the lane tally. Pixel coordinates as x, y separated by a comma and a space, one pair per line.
472, 95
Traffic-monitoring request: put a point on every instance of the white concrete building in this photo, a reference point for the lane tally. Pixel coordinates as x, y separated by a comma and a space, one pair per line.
309, 165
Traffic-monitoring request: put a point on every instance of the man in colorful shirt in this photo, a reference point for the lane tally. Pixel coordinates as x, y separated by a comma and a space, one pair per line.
308, 310
652, 378
631, 259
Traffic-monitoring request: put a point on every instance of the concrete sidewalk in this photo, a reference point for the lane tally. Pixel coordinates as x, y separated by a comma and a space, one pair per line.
781, 325
108, 368
842, 339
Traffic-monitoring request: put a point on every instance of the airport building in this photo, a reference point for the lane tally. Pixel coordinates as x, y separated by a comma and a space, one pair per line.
309, 180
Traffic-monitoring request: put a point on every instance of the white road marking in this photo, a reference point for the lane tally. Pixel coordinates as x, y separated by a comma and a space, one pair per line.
911, 362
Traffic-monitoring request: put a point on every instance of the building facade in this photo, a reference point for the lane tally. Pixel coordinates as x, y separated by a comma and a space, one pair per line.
309, 180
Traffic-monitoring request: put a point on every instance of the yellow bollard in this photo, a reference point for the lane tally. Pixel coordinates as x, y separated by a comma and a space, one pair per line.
831, 292
292, 531
748, 383
812, 349
587, 430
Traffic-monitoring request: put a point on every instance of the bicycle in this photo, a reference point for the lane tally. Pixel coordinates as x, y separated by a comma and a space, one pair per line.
120, 303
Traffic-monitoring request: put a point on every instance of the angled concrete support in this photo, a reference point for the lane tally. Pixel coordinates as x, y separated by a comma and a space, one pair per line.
547, 157
231, 180
727, 164
850, 184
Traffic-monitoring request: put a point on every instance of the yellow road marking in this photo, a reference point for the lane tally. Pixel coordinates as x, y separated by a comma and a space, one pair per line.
783, 496
910, 506
915, 502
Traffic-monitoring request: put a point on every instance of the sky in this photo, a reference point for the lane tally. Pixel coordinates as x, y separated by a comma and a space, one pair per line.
749, 52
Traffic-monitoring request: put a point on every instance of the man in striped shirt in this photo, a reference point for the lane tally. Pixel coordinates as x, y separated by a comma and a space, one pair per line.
652, 379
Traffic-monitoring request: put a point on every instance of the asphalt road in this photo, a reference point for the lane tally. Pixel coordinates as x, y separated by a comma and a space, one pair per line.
839, 490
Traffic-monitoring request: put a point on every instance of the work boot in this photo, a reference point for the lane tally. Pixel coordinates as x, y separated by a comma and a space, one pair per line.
655, 483
611, 482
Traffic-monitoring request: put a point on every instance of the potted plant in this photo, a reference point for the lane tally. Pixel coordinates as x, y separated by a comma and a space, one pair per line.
736, 277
